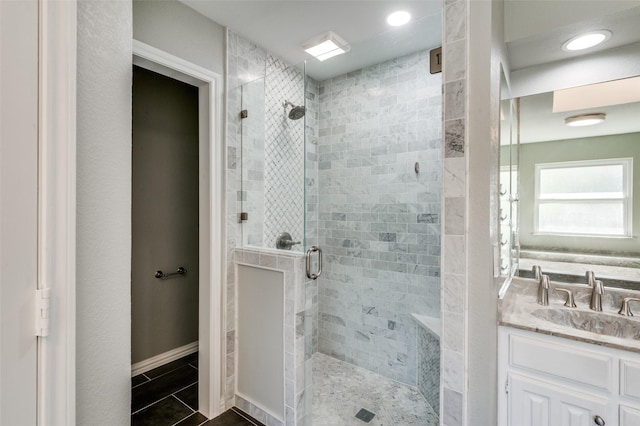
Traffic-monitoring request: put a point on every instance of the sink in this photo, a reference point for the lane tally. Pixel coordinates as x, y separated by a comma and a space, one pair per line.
593, 322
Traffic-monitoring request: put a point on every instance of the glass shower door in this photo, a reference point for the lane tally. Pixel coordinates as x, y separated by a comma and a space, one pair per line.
272, 128
251, 196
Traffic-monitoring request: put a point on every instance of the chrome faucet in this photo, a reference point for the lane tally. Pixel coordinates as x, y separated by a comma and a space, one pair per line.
570, 302
597, 290
625, 309
543, 290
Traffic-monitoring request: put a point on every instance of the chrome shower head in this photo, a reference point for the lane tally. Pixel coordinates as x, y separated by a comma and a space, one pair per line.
296, 113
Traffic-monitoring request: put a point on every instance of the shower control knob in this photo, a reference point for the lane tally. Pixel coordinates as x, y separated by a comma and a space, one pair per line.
598, 420
285, 242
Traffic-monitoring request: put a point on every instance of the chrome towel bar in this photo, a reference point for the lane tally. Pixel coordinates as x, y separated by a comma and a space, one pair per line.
181, 271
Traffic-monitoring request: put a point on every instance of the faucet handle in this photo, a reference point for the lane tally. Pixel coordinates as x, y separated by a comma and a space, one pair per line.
570, 302
625, 309
537, 272
543, 290
591, 277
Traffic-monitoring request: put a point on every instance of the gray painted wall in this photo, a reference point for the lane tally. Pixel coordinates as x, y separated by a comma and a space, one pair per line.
181, 31
602, 147
103, 271
164, 312
105, 31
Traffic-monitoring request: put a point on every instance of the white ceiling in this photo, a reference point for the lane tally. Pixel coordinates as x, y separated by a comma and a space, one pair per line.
546, 46
535, 31
282, 27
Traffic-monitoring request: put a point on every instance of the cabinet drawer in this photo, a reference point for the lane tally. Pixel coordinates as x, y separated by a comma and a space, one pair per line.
562, 361
630, 379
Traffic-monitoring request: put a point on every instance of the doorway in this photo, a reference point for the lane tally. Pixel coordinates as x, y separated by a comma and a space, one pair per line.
164, 245
206, 186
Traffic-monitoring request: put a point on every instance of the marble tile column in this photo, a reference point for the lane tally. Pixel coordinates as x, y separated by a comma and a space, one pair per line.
454, 214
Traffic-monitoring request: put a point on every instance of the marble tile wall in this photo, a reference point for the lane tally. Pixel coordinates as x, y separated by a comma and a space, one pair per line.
454, 252
379, 221
429, 367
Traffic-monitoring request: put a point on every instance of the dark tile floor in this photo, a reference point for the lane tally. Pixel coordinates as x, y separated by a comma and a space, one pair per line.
168, 396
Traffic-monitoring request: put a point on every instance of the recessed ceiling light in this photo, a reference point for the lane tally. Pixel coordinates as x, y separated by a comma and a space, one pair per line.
585, 119
587, 40
326, 46
398, 18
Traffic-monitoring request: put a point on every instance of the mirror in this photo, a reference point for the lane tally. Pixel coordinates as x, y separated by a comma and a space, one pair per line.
508, 185
579, 186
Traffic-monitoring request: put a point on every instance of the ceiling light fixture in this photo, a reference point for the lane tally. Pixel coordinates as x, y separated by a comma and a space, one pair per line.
399, 18
326, 46
587, 40
585, 119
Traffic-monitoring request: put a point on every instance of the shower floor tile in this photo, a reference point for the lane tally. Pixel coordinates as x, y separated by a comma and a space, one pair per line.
341, 390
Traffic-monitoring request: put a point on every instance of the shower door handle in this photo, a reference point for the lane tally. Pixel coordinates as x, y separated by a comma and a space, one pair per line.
310, 251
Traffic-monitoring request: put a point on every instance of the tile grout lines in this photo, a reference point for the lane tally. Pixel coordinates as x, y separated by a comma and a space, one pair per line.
162, 399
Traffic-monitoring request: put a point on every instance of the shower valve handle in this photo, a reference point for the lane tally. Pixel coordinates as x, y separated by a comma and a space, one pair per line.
285, 242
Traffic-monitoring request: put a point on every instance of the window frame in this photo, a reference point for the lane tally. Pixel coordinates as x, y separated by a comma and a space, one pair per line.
627, 198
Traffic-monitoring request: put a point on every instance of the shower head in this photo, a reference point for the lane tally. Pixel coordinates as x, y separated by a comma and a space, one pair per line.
296, 113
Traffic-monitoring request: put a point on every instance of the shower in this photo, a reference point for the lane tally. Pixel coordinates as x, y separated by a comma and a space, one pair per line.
296, 113
377, 303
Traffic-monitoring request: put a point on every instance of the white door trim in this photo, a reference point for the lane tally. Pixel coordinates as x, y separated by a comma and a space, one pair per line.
56, 382
211, 178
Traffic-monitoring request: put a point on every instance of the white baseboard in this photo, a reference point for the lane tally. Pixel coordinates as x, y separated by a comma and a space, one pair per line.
163, 358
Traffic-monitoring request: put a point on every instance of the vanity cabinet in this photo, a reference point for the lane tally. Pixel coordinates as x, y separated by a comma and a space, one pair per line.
536, 402
551, 381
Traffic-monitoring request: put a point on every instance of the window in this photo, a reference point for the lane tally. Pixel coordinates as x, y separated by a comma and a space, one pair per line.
591, 198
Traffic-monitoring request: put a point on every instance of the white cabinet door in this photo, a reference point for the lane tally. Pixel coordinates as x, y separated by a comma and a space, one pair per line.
537, 403
629, 416
18, 210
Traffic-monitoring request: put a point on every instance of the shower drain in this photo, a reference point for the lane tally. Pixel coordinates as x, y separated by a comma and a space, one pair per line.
365, 415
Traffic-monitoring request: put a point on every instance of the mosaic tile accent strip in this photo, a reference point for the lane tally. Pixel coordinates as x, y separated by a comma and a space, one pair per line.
379, 221
341, 390
429, 367
284, 154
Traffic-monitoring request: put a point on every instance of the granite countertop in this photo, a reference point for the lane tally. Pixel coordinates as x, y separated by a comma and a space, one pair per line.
519, 308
